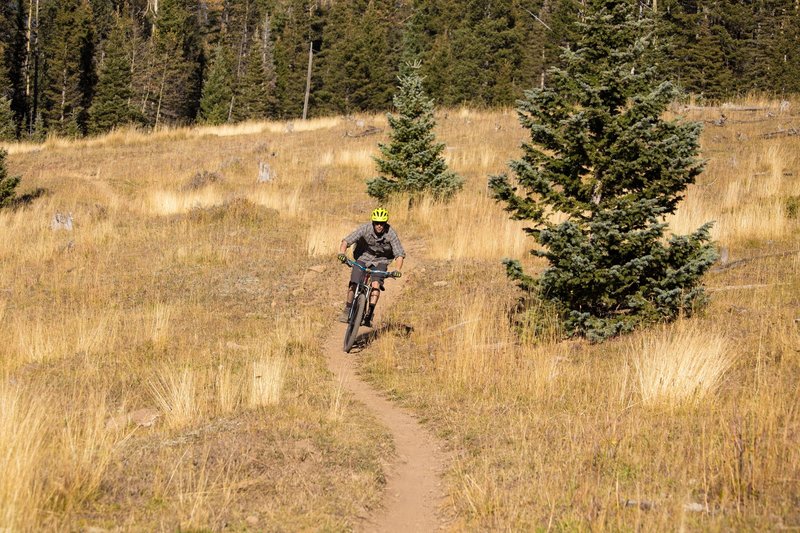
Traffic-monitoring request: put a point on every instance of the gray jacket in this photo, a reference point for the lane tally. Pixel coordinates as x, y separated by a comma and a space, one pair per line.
372, 247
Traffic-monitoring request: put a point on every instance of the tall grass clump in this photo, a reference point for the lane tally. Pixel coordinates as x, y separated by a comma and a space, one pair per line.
267, 381
324, 239
469, 226
287, 203
22, 435
476, 349
228, 385
85, 449
160, 318
170, 203
679, 365
174, 392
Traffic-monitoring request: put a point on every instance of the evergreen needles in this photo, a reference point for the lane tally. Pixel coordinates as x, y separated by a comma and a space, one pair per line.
603, 159
412, 161
8, 184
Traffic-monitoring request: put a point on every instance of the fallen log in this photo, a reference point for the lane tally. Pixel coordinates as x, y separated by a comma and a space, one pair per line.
371, 130
791, 132
740, 262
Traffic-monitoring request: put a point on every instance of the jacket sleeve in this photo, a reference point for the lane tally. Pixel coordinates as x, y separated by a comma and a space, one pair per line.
397, 248
355, 235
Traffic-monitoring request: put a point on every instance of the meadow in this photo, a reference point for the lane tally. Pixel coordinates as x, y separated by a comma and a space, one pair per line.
161, 364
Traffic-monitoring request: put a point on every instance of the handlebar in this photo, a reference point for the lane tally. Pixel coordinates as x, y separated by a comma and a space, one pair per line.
379, 273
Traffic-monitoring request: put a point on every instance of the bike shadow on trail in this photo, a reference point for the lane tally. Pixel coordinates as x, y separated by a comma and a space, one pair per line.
365, 339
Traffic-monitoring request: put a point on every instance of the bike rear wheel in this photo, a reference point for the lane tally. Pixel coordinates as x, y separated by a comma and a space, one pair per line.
356, 316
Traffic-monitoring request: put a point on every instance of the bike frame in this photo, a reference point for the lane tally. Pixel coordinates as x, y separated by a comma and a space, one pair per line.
358, 309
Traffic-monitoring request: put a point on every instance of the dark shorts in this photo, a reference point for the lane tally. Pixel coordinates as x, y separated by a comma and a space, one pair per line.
357, 273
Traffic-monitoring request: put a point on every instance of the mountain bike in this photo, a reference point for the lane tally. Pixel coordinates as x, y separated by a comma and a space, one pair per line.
361, 296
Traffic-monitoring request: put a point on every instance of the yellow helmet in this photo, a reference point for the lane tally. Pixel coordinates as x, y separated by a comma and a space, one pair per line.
380, 215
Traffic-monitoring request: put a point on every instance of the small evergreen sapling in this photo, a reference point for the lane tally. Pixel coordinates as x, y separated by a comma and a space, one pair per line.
8, 184
602, 157
412, 161
7, 126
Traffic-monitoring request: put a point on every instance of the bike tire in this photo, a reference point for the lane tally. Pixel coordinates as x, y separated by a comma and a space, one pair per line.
356, 316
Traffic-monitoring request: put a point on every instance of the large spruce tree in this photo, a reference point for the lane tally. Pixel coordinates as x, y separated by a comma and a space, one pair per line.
412, 161
217, 100
255, 93
174, 83
602, 158
67, 49
7, 125
112, 106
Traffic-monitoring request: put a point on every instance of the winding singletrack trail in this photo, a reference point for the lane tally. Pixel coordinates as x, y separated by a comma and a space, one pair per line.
413, 496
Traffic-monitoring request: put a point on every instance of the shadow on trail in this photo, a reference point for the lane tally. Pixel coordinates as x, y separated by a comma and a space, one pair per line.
365, 339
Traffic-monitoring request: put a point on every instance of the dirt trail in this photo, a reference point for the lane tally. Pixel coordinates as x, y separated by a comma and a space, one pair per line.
413, 494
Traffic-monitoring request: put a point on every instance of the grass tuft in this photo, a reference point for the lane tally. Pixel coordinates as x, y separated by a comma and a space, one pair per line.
680, 364
267, 381
22, 439
174, 392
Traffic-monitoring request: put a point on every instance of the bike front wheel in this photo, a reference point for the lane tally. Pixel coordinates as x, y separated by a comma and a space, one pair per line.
356, 316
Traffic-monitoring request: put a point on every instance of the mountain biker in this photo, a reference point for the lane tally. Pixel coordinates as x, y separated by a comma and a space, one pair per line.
376, 245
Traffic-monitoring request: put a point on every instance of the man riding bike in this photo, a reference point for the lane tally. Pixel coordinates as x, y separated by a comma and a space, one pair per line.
376, 245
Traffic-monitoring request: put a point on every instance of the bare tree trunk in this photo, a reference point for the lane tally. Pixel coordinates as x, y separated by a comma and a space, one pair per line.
135, 42
541, 82
308, 79
149, 74
161, 95
62, 116
243, 44
26, 63
265, 39
31, 57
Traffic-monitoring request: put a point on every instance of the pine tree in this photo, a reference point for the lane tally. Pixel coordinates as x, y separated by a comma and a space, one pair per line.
255, 92
111, 106
7, 127
487, 54
602, 156
215, 105
427, 38
412, 161
705, 67
296, 24
174, 83
67, 50
7, 124
8, 184
15, 50
359, 61
785, 56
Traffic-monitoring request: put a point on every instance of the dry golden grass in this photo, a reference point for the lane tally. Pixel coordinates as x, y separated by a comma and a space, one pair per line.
171, 299
267, 381
693, 424
22, 435
174, 393
679, 365
469, 227
195, 303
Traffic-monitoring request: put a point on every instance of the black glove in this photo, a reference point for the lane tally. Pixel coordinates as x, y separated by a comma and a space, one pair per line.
397, 274
342, 258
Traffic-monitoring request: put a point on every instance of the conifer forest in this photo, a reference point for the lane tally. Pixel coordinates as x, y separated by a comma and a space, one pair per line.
81, 67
